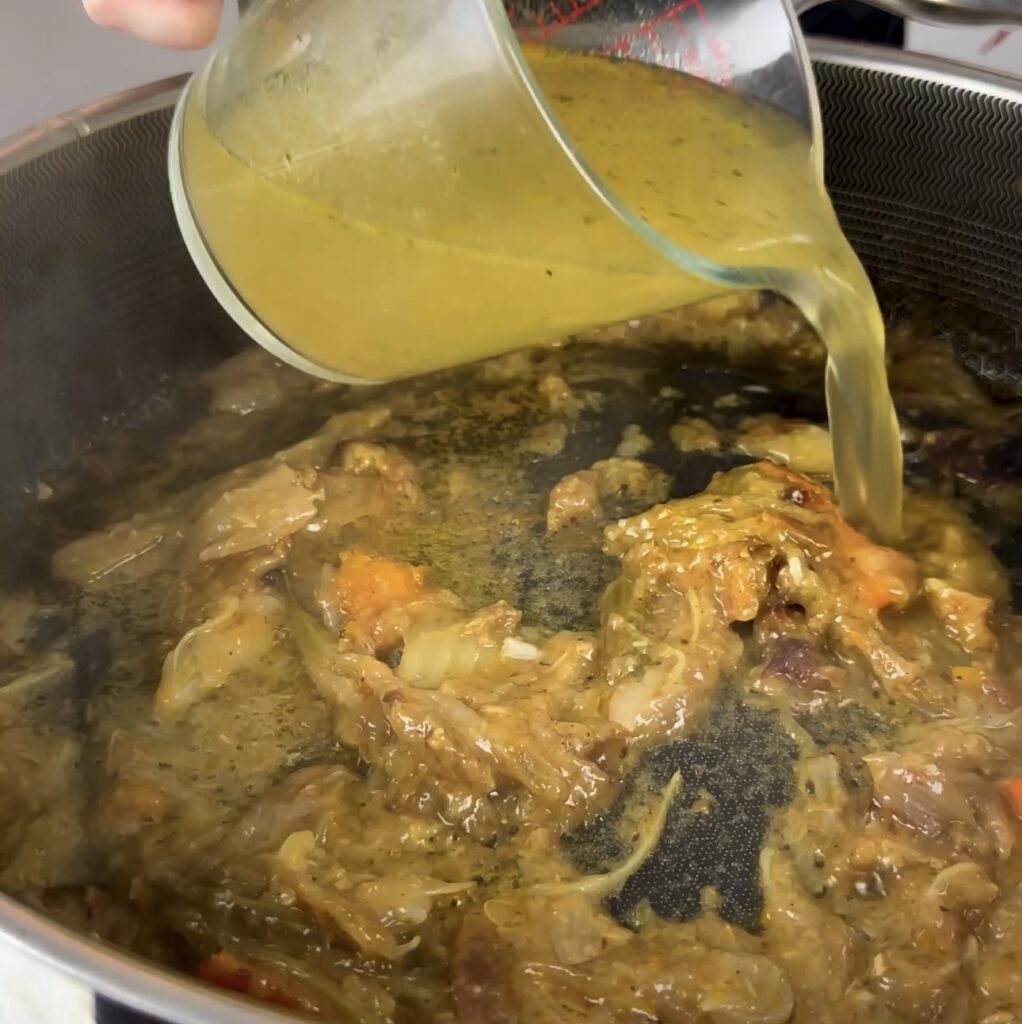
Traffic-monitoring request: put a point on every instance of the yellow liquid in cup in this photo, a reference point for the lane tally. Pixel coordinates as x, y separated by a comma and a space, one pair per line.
729, 180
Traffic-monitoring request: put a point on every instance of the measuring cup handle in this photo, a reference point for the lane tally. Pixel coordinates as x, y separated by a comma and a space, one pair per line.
942, 12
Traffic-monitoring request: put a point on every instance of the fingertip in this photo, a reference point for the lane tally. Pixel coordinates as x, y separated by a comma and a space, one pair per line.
100, 11
176, 24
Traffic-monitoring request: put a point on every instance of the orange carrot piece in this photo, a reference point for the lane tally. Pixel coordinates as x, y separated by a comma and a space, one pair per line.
366, 586
1011, 792
257, 981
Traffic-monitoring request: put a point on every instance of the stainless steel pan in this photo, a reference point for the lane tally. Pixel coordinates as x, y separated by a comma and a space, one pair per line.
101, 312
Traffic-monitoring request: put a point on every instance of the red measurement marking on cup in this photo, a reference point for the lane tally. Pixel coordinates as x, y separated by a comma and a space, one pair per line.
648, 34
999, 37
648, 29
559, 14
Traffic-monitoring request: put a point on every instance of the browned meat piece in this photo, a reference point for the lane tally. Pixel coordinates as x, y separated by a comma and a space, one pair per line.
965, 617
798, 662
691, 569
480, 974
803, 447
574, 499
584, 497
256, 514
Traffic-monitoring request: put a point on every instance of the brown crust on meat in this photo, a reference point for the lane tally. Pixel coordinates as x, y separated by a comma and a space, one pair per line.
480, 975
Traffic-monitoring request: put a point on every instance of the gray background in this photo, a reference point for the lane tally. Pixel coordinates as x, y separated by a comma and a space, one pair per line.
52, 58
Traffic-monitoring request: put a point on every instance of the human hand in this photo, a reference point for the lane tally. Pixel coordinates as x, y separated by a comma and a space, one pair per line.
178, 24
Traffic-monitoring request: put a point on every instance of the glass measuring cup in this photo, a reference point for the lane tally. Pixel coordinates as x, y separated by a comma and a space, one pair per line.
378, 189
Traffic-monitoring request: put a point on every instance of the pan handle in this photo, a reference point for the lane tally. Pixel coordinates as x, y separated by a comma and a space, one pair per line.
942, 12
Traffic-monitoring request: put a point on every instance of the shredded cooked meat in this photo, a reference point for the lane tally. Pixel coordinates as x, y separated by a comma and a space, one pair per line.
804, 447
492, 702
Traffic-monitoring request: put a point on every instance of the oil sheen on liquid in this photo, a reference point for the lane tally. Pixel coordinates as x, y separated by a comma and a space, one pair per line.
715, 175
